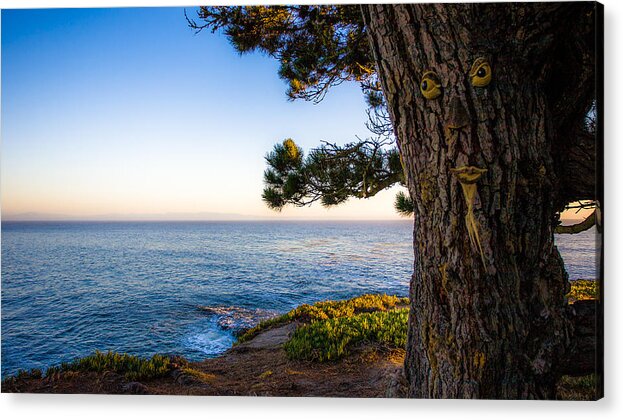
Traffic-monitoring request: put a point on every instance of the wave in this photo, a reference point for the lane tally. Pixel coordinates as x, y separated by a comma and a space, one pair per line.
236, 319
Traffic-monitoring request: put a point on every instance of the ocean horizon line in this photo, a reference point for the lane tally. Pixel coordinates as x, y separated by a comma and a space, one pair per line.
276, 220
565, 222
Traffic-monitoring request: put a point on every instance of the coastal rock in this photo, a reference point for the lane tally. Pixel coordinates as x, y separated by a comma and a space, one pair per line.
236, 319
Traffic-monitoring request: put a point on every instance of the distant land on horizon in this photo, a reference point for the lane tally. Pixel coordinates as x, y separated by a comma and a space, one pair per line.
191, 217
169, 217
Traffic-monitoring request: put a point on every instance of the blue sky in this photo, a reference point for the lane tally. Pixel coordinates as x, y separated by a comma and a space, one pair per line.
126, 113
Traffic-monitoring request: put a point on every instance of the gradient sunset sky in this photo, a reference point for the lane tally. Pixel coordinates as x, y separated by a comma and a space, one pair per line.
127, 114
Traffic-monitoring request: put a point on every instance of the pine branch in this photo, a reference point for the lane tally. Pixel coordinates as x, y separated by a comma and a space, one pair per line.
330, 173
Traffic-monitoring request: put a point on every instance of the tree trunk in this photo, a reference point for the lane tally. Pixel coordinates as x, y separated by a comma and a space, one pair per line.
582, 358
488, 312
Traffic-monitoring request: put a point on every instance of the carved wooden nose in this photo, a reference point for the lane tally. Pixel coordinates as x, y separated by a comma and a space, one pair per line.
457, 115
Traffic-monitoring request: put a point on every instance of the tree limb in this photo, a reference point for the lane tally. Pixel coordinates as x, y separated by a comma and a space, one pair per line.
586, 224
330, 173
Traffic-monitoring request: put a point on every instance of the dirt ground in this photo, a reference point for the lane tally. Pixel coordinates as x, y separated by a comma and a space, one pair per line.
258, 367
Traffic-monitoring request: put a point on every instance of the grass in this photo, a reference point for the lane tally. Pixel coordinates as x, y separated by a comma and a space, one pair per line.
133, 367
322, 311
583, 289
333, 338
29, 374
202, 376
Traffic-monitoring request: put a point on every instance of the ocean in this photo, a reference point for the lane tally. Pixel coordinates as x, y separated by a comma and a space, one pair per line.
69, 288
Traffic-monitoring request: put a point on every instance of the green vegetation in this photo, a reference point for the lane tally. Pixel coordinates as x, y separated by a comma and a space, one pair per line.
583, 289
346, 308
29, 374
578, 388
330, 173
328, 310
202, 376
332, 338
133, 367
332, 328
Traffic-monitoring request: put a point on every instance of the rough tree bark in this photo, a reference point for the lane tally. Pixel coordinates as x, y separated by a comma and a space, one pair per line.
488, 313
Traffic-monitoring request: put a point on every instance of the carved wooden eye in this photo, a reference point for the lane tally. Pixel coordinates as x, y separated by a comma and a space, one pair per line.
430, 86
480, 73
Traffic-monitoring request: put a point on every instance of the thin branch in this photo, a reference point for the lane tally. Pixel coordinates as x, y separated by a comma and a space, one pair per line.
586, 224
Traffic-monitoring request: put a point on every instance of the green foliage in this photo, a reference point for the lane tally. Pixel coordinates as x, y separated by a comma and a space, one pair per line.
28, 374
202, 376
328, 310
332, 338
375, 99
403, 204
284, 177
330, 173
52, 370
346, 308
583, 289
133, 367
317, 46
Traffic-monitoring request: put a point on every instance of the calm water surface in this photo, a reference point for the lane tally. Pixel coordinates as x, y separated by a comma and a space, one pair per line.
185, 288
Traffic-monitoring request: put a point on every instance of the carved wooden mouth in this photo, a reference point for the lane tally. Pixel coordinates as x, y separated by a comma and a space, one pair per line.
468, 174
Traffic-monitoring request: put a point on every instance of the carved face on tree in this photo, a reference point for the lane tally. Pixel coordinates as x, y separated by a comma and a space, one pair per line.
458, 126
477, 126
